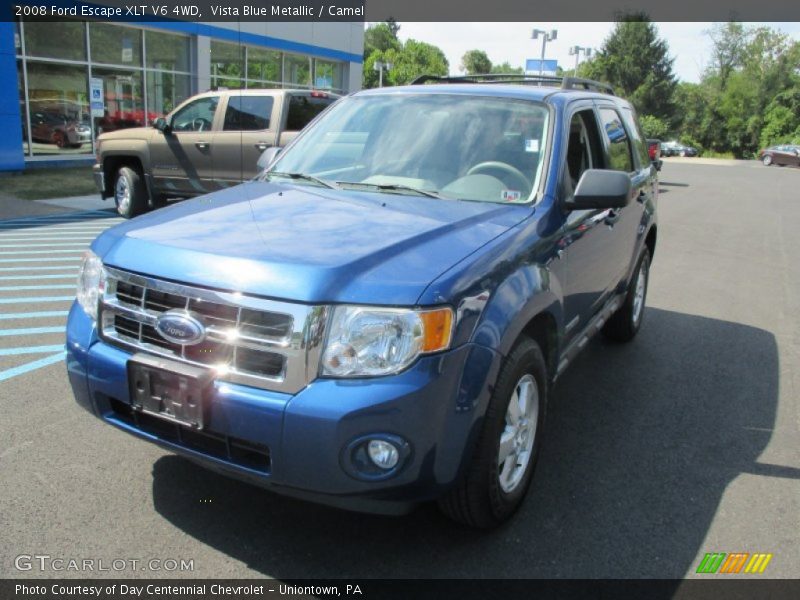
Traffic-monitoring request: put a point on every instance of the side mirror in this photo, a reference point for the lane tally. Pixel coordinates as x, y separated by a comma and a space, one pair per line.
161, 124
267, 157
599, 188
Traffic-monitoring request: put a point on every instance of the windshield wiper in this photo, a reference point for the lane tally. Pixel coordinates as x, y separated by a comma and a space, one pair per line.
301, 177
392, 187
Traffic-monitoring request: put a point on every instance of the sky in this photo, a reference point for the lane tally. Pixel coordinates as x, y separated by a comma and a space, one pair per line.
511, 42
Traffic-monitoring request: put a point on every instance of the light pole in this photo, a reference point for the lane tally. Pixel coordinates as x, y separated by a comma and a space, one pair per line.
576, 50
546, 37
379, 66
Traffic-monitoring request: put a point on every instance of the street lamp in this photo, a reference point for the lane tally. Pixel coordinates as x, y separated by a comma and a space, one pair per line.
546, 37
379, 66
576, 51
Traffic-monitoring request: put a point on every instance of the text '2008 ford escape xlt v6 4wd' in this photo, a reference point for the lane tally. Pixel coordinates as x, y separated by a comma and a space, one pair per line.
377, 320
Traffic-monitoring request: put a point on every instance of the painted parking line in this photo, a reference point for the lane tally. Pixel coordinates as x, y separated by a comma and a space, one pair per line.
50, 268
36, 277
48, 245
31, 331
31, 366
49, 238
35, 299
18, 252
24, 288
31, 350
42, 314
51, 259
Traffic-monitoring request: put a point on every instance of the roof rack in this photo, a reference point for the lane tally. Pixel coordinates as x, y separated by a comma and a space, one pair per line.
567, 83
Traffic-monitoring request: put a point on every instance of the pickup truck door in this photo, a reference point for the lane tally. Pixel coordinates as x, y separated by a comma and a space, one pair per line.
249, 127
586, 247
180, 161
300, 108
627, 150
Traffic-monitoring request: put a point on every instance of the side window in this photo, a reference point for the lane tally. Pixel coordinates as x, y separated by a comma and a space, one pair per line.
197, 115
248, 113
639, 143
302, 109
583, 146
619, 147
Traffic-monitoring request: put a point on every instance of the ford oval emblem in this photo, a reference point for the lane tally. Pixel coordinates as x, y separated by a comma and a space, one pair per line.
181, 327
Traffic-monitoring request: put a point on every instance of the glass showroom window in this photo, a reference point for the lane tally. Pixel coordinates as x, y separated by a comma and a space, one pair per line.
296, 70
264, 68
123, 100
167, 52
165, 91
64, 41
59, 108
227, 65
167, 76
115, 45
327, 75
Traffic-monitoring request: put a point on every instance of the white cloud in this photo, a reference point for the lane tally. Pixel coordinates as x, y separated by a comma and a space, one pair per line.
511, 42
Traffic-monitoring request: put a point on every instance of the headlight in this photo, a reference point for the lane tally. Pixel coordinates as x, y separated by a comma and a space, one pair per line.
91, 283
366, 341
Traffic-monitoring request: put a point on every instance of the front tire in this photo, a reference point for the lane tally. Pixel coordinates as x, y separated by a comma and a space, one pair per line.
130, 194
495, 483
625, 323
767, 160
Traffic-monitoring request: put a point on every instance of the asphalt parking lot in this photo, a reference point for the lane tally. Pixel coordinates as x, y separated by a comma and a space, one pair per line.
682, 443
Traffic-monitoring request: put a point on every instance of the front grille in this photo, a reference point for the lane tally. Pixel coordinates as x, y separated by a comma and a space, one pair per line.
230, 449
264, 343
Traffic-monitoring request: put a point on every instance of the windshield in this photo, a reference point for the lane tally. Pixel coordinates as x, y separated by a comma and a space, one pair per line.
440, 145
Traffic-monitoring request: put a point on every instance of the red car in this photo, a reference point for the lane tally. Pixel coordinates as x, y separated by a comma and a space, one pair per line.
780, 155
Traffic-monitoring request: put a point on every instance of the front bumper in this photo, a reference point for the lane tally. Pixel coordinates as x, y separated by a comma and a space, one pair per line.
295, 444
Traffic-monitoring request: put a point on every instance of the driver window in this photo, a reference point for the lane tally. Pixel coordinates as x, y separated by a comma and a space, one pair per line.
582, 147
197, 115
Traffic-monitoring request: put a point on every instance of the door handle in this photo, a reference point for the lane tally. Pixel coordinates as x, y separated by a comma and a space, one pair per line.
262, 146
201, 145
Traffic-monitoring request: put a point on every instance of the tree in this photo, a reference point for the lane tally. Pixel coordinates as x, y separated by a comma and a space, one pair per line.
728, 48
475, 62
507, 68
382, 37
636, 61
653, 127
409, 61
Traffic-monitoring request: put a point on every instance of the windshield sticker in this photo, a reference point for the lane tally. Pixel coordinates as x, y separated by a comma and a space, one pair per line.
511, 195
531, 145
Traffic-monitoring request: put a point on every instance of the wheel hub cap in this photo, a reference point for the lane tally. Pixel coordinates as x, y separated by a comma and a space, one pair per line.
122, 194
519, 434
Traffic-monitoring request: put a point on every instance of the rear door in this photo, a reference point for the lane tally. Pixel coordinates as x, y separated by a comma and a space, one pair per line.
181, 159
300, 109
249, 127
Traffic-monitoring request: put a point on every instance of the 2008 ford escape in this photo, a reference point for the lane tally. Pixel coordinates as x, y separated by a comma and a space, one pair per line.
378, 318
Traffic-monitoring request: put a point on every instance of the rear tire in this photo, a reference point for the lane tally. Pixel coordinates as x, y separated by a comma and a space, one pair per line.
130, 194
625, 323
496, 481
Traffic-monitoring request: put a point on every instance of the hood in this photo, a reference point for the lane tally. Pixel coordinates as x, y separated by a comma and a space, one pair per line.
129, 133
302, 243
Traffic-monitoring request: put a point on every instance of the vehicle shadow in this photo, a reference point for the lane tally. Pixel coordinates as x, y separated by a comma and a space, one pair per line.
642, 440
36, 221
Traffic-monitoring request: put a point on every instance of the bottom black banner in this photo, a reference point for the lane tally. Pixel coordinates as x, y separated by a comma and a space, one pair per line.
380, 589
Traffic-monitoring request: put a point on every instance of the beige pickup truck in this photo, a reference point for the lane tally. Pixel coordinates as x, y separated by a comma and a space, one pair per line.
211, 141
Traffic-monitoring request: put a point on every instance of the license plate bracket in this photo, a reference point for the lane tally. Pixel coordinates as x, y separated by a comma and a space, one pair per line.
169, 389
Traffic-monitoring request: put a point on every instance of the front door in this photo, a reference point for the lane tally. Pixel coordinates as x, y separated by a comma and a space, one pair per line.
181, 159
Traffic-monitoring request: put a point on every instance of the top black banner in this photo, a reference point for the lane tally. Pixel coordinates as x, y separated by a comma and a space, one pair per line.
401, 10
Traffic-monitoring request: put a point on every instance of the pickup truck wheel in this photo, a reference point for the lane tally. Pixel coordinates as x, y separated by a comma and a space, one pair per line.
130, 194
625, 323
498, 478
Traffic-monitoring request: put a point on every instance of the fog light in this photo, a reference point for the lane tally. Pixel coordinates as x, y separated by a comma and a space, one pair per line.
384, 454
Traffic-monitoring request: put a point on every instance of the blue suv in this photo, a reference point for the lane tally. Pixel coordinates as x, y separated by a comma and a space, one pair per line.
377, 319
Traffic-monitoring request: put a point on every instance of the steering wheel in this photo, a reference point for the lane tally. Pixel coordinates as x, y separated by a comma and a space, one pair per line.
506, 168
200, 124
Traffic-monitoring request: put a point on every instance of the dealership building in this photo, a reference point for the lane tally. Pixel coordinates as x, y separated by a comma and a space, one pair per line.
76, 79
